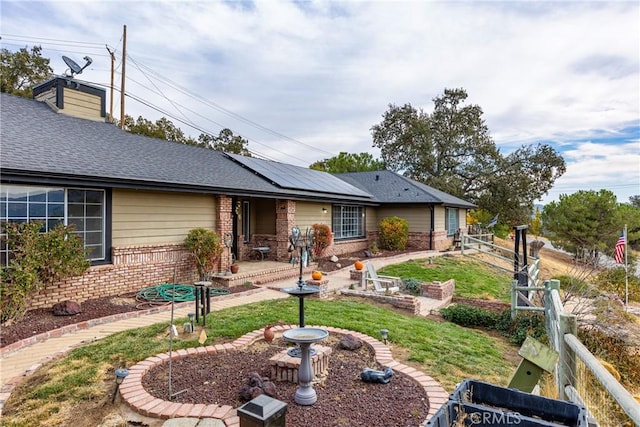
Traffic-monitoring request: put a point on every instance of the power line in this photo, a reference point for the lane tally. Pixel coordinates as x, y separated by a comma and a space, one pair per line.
160, 91
202, 130
80, 52
229, 112
172, 84
191, 124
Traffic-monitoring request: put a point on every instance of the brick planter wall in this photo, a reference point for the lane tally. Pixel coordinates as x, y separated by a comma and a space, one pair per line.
285, 367
404, 302
323, 284
357, 276
438, 290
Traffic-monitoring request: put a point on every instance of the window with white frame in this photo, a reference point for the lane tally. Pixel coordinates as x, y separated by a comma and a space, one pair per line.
452, 219
348, 221
82, 208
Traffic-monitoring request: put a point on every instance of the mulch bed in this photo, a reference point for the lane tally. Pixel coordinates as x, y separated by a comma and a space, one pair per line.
43, 320
343, 400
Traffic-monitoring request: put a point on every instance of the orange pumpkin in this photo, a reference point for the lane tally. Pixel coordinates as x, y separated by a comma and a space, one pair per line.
316, 275
358, 265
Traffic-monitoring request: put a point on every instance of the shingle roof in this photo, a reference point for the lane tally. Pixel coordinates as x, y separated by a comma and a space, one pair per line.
389, 187
38, 143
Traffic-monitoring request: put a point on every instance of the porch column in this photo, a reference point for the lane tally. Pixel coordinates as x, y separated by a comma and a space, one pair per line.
285, 220
224, 207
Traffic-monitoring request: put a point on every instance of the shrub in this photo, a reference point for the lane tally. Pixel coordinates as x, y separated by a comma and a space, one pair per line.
525, 324
614, 350
205, 247
38, 259
322, 238
412, 285
502, 230
576, 286
612, 280
394, 233
470, 316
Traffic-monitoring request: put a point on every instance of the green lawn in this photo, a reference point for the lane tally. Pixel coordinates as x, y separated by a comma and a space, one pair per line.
474, 279
445, 351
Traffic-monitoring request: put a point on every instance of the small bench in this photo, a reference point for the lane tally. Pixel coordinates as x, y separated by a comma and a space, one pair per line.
262, 250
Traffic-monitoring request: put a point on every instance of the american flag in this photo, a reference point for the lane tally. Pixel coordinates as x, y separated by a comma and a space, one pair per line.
618, 256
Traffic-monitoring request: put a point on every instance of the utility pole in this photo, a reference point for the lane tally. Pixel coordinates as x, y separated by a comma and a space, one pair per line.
113, 59
124, 62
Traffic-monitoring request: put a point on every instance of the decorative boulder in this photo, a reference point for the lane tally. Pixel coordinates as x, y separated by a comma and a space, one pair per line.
255, 386
66, 308
349, 342
334, 259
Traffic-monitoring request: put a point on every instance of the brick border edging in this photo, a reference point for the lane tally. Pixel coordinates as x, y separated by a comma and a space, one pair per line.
134, 395
11, 383
75, 327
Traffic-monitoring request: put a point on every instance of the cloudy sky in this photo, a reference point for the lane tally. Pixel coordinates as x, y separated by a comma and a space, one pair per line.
305, 80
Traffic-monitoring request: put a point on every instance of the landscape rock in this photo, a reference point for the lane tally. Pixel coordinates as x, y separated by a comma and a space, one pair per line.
334, 259
349, 342
66, 308
255, 386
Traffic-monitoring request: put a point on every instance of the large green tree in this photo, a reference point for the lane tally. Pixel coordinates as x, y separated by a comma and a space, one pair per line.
452, 150
225, 141
21, 70
164, 128
585, 223
348, 162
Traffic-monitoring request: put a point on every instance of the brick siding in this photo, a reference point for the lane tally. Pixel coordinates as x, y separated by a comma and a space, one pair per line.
132, 268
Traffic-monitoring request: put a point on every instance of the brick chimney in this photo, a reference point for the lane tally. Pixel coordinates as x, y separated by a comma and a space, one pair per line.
69, 96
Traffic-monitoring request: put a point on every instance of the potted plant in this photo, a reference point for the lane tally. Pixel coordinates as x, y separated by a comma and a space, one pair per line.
205, 247
234, 267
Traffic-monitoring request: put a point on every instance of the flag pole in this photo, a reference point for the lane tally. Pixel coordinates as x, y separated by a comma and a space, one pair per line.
626, 269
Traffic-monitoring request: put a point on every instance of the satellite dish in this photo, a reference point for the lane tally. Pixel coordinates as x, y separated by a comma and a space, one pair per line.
74, 68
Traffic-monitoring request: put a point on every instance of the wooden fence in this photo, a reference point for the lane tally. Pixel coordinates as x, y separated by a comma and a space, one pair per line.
579, 374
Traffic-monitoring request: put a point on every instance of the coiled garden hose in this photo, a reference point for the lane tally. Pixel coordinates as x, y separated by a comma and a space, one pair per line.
167, 292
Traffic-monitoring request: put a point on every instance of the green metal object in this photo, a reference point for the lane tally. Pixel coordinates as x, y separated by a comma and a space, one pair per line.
168, 292
536, 358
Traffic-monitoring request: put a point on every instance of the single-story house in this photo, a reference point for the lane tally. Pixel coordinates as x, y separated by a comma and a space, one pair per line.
133, 199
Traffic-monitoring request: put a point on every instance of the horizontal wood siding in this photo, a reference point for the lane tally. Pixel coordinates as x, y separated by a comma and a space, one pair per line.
418, 216
149, 217
309, 213
83, 105
49, 95
439, 218
462, 218
263, 216
371, 219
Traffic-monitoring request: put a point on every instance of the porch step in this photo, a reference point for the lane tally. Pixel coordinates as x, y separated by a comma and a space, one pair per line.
261, 277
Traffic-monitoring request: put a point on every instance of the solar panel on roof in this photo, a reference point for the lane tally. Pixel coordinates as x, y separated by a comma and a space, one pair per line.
299, 178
